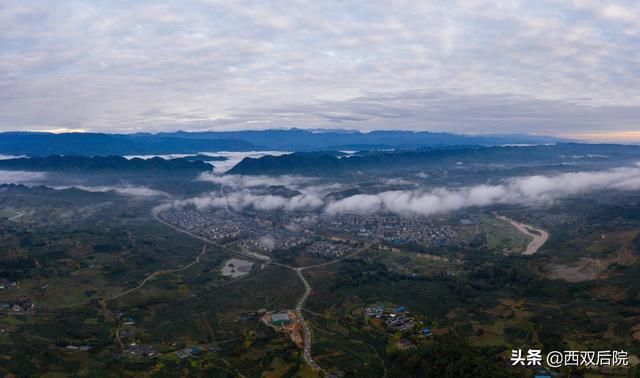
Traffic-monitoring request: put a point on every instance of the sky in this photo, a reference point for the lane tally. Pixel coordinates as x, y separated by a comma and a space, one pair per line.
557, 67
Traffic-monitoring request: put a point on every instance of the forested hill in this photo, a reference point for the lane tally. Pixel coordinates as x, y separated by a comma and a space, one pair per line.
96, 144
92, 144
107, 163
330, 163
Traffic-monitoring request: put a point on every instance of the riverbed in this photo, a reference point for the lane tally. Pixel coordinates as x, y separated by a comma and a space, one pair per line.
539, 236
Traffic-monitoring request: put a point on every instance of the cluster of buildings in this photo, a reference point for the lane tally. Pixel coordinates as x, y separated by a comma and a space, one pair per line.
327, 249
249, 227
255, 245
21, 304
401, 322
188, 352
290, 242
143, 350
391, 229
208, 225
263, 232
268, 244
6, 284
287, 322
396, 319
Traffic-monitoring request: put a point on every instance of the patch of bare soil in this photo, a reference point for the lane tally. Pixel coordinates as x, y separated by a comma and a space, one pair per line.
583, 270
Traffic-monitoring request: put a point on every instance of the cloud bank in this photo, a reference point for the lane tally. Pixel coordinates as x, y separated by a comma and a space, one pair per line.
526, 190
126, 190
242, 181
241, 200
303, 184
21, 177
530, 190
517, 65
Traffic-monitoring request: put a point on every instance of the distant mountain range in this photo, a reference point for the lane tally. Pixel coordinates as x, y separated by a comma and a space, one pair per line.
90, 144
323, 164
106, 163
95, 144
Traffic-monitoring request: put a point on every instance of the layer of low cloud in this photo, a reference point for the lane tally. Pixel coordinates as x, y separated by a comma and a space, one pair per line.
303, 184
126, 190
232, 157
520, 66
244, 199
526, 190
242, 181
21, 177
529, 190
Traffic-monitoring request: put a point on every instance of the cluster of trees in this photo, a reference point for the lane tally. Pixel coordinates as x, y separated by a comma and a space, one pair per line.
450, 356
355, 272
16, 268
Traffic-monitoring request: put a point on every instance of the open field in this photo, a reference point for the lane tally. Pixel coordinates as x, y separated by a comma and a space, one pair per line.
6, 213
502, 237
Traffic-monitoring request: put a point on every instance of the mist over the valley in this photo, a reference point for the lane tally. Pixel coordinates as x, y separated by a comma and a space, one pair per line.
240, 192
21, 177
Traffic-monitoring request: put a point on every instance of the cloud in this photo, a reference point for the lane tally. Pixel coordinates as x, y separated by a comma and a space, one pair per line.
244, 199
21, 177
7, 157
130, 66
526, 190
268, 241
304, 184
127, 190
529, 190
241, 181
398, 182
234, 158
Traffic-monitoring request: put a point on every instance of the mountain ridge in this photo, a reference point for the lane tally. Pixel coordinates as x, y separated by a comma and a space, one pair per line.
103, 163
326, 163
100, 144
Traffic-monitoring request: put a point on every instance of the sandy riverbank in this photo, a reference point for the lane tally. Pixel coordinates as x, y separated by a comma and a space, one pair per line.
539, 236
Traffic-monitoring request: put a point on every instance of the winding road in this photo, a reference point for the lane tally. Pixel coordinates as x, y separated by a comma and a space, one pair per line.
300, 304
305, 327
17, 216
161, 272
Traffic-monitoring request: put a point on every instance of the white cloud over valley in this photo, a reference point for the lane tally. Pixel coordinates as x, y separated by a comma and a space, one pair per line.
526, 190
21, 177
127, 190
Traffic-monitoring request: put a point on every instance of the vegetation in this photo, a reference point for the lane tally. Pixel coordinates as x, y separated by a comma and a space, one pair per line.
108, 288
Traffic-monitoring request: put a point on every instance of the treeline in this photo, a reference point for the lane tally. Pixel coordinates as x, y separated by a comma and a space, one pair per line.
106, 163
449, 356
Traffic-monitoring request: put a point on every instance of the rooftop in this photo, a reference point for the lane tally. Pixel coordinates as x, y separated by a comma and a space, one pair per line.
280, 317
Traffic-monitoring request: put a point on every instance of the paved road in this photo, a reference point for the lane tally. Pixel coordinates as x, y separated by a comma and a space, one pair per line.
307, 288
305, 327
17, 216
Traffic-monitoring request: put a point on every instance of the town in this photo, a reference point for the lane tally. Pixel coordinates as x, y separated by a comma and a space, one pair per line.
265, 232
